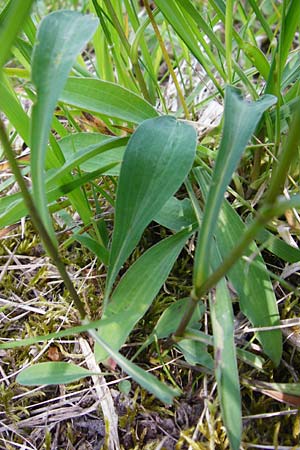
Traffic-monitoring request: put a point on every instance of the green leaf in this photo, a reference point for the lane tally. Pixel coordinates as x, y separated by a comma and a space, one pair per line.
106, 98
157, 159
226, 370
171, 317
137, 289
93, 245
12, 19
52, 373
13, 110
195, 353
57, 44
176, 214
251, 281
149, 382
82, 142
86, 153
240, 121
278, 247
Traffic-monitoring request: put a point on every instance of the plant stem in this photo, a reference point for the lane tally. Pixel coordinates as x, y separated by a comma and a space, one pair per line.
167, 59
285, 159
38, 224
271, 208
228, 38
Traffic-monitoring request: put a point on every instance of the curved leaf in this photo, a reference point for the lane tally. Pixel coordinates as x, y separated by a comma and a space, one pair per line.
57, 45
106, 98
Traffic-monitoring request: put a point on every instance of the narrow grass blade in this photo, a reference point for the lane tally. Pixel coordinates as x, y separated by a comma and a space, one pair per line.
157, 159
13, 110
52, 373
179, 22
106, 98
149, 382
278, 247
240, 121
137, 289
252, 283
94, 246
226, 371
58, 43
16, 13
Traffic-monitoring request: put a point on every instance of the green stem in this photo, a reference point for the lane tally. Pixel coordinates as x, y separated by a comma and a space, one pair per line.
167, 59
289, 152
228, 38
38, 224
272, 208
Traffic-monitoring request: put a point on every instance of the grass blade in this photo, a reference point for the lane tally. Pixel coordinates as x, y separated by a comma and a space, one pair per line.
165, 393
58, 43
16, 13
157, 159
226, 371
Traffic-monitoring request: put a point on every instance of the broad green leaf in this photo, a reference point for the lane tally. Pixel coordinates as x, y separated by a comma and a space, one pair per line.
12, 19
176, 214
157, 159
80, 142
226, 370
161, 390
84, 154
196, 353
240, 121
137, 289
171, 317
52, 373
106, 98
251, 281
58, 42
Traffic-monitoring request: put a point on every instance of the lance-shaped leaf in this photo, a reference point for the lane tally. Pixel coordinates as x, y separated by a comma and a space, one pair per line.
226, 371
240, 121
107, 98
52, 373
61, 36
157, 159
137, 290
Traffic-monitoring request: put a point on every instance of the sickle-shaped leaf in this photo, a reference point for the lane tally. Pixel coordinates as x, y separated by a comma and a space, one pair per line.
157, 159
61, 36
